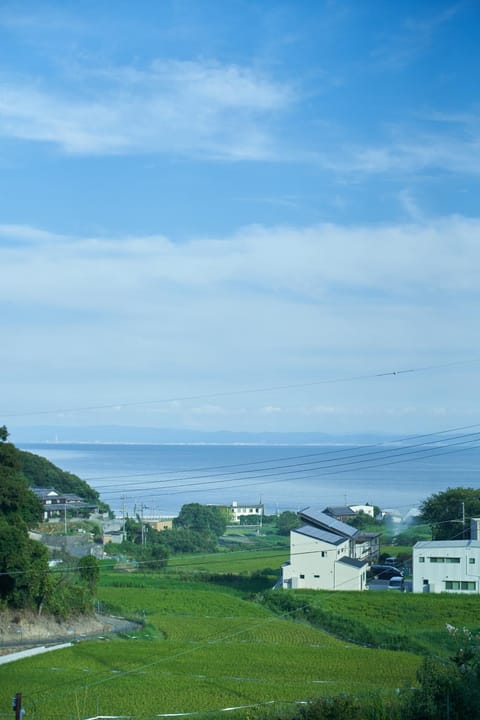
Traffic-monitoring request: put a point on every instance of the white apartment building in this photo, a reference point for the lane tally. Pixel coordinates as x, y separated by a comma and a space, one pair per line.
451, 566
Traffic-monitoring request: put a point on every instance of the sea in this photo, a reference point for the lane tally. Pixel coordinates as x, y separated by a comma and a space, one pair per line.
157, 479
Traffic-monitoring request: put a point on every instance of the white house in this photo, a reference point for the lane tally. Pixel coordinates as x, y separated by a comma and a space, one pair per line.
251, 511
322, 555
367, 509
450, 566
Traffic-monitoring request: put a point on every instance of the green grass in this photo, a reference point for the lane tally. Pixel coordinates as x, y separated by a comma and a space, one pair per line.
210, 642
385, 619
236, 561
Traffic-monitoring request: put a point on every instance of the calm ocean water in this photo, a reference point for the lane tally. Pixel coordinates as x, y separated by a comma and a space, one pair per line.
164, 477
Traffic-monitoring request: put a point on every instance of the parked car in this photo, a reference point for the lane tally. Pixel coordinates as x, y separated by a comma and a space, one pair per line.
396, 583
384, 572
392, 560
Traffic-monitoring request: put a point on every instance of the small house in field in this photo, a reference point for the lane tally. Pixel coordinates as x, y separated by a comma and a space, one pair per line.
322, 555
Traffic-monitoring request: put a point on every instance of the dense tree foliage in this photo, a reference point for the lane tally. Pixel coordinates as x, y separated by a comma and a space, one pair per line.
25, 578
444, 511
23, 567
17, 502
287, 521
201, 518
89, 571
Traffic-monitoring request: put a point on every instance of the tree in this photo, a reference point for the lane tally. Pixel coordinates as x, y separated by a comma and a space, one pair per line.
449, 512
287, 521
449, 689
4, 433
89, 571
23, 567
202, 519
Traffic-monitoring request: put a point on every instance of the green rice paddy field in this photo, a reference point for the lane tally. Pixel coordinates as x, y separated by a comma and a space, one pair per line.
210, 643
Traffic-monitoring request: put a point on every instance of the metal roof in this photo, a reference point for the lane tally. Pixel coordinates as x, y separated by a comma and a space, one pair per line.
321, 519
339, 510
319, 534
453, 544
353, 562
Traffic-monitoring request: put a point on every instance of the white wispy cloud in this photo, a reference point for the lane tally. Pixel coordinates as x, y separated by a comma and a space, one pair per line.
263, 307
313, 262
414, 36
194, 107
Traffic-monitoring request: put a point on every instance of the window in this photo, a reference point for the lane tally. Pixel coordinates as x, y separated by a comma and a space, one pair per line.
460, 585
444, 559
302, 577
471, 561
324, 553
421, 559
316, 576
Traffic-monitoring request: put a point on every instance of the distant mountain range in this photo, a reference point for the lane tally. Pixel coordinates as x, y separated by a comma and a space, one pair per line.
138, 435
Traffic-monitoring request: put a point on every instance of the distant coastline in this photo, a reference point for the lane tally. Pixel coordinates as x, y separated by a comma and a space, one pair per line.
135, 435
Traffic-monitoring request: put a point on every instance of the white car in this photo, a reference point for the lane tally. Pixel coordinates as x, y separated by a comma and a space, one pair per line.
396, 583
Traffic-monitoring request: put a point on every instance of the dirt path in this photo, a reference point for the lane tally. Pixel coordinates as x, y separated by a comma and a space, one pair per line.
22, 630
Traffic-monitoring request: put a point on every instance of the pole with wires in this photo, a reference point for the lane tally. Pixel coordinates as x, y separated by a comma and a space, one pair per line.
17, 706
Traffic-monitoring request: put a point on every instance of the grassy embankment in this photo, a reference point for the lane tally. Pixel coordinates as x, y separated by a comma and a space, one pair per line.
211, 640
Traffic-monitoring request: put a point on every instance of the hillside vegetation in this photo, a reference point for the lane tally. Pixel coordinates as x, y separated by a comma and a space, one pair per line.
26, 581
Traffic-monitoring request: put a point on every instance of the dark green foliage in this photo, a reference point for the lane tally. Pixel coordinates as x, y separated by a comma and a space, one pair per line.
17, 502
349, 707
365, 522
25, 578
287, 521
23, 567
444, 512
202, 519
449, 689
89, 571
250, 520
414, 534
184, 540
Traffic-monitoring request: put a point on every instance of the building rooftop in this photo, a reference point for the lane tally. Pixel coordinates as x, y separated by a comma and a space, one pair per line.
352, 562
319, 534
319, 518
339, 510
453, 544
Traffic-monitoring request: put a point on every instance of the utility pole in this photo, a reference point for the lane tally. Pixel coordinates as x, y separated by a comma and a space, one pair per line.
143, 526
463, 520
17, 706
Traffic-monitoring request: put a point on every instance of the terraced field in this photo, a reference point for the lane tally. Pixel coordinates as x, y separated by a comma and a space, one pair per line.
210, 643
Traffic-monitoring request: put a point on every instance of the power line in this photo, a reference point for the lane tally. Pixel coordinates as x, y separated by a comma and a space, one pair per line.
245, 391
350, 463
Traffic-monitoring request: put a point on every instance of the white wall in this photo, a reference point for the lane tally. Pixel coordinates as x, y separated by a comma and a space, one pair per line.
313, 565
447, 567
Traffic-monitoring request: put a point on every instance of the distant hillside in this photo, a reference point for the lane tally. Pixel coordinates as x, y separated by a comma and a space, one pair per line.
134, 434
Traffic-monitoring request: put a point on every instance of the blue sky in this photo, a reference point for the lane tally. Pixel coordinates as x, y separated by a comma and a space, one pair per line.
199, 199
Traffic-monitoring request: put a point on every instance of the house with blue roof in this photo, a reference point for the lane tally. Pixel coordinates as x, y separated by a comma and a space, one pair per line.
323, 555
